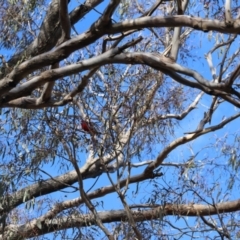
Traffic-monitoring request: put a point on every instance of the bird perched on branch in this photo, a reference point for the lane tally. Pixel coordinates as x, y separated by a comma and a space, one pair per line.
89, 127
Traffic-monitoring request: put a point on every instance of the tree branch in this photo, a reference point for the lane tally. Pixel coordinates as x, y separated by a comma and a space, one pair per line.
163, 155
31, 229
64, 21
50, 32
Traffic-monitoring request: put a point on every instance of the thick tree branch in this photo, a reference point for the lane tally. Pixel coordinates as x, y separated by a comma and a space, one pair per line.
197, 23
156, 61
33, 103
88, 37
31, 229
65, 180
52, 75
97, 194
50, 32
64, 21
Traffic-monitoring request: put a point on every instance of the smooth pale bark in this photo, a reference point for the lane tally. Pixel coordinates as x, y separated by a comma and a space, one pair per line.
32, 228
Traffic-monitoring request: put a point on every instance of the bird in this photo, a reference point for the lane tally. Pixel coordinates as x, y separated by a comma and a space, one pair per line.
88, 127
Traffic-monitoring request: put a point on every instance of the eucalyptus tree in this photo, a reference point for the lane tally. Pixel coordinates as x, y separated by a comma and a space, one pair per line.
119, 119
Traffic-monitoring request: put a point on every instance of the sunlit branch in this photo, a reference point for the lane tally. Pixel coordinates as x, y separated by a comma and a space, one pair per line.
225, 57
175, 44
180, 116
88, 37
207, 116
183, 36
159, 62
221, 71
112, 55
173, 145
228, 14
170, 164
210, 64
176, 21
230, 61
52, 75
156, 61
